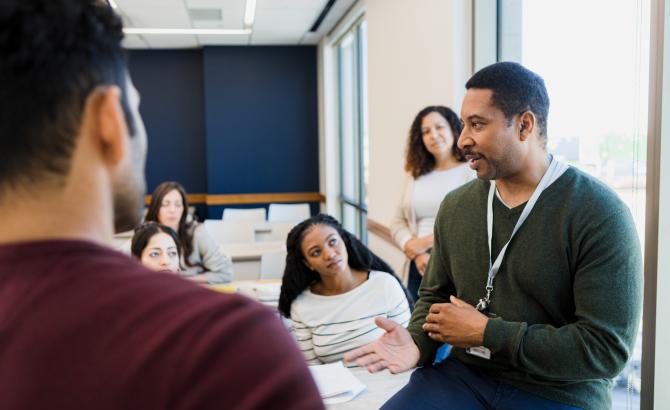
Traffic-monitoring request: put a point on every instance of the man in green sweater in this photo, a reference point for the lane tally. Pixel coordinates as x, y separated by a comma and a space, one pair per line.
534, 277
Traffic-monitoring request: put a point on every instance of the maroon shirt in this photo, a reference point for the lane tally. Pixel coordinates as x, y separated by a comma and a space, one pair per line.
85, 327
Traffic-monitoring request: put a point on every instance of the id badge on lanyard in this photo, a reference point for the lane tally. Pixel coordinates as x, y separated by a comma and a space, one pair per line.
555, 170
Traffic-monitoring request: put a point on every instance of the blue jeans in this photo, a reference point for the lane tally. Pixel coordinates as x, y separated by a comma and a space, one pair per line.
453, 385
414, 281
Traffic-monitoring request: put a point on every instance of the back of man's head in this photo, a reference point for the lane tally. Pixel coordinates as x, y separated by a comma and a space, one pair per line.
515, 89
54, 53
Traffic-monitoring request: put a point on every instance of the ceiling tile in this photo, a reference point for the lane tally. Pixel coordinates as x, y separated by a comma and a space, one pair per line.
277, 21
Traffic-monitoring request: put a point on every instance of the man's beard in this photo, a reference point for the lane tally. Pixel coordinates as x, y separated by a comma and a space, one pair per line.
128, 202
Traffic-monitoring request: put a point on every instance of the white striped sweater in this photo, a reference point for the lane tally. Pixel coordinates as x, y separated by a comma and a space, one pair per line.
326, 327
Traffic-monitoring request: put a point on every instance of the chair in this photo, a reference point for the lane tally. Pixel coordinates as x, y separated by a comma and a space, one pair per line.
288, 212
230, 231
280, 231
244, 214
273, 264
190, 217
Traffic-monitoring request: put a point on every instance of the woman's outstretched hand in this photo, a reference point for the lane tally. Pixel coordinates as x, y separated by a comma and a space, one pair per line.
395, 350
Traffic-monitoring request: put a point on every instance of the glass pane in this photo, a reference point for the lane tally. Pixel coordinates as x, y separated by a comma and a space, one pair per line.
349, 117
596, 73
350, 219
363, 70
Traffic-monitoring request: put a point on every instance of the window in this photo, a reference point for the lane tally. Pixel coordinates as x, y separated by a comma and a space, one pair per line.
353, 139
594, 58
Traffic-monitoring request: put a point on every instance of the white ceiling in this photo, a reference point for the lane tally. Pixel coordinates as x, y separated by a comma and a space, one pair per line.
277, 22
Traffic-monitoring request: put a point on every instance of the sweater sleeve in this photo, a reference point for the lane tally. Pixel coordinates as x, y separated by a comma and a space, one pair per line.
399, 226
607, 293
218, 266
241, 357
436, 287
303, 335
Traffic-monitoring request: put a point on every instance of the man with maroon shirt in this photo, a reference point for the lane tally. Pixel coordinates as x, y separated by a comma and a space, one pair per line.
82, 326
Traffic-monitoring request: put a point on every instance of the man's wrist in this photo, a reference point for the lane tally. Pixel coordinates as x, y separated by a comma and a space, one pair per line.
481, 330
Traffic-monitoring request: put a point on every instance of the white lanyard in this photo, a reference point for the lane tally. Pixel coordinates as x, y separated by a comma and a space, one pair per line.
555, 170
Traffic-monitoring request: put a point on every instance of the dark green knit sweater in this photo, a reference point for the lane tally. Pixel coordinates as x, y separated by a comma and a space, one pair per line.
567, 296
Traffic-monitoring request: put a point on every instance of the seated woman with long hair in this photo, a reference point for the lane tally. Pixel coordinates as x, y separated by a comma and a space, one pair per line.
202, 259
333, 288
157, 247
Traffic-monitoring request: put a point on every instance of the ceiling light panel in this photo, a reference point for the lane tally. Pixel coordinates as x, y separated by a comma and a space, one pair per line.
232, 13
174, 41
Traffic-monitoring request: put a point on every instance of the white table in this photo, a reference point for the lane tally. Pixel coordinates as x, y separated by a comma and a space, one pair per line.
379, 387
250, 288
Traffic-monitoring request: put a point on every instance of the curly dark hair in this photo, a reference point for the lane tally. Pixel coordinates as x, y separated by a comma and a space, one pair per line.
418, 160
185, 231
515, 89
298, 277
145, 232
54, 54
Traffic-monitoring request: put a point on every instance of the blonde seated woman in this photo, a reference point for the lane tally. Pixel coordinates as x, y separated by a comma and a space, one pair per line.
333, 288
157, 247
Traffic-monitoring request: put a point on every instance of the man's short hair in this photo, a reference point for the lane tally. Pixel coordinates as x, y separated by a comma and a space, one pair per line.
515, 89
53, 53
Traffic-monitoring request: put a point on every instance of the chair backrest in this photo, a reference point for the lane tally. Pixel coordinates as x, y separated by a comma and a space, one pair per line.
244, 214
280, 231
273, 264
288, 212
190, 217
230, 231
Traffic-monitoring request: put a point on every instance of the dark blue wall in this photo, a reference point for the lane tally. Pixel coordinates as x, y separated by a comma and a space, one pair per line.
261, 119
227, 120
170, 83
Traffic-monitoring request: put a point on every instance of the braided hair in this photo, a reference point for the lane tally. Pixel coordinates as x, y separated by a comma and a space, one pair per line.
298, 277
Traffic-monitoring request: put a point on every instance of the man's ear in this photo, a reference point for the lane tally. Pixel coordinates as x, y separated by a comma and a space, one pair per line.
107, 122
527, 124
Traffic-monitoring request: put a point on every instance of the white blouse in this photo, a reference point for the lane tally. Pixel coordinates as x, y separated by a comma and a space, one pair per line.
430, 190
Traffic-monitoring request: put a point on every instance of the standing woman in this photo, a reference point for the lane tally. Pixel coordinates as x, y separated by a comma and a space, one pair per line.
435, 166
202, 258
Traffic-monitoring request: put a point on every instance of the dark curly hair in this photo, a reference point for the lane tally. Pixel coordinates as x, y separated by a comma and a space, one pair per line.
144, 233
54, 54
298, 277
185, 232
418, 160
515, 89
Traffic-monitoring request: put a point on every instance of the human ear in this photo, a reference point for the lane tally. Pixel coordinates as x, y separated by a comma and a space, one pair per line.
527, 122
108, 125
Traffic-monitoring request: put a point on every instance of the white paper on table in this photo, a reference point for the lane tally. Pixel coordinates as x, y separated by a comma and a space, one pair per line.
267, 291
336, 383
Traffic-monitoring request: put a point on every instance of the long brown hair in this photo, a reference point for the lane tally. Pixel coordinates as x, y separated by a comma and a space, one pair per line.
418, 160
185, 231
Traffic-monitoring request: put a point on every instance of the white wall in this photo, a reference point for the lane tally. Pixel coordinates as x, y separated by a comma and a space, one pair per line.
418, 55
